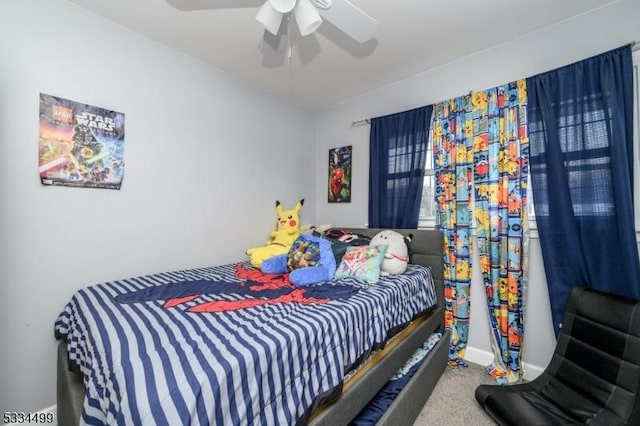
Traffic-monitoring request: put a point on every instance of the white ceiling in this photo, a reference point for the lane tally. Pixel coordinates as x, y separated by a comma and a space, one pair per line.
327, 66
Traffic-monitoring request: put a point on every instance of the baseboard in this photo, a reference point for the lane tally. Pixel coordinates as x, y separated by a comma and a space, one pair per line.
478, 356
53, 409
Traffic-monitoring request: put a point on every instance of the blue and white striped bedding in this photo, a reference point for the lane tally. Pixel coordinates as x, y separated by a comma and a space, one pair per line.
146, 364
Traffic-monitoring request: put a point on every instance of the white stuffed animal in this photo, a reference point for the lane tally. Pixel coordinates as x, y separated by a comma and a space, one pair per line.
397, 255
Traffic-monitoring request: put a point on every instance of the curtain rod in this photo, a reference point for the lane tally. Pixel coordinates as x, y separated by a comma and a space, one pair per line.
361, 122
635, 45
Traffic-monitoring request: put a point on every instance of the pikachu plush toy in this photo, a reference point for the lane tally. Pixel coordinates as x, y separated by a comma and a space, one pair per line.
287, 230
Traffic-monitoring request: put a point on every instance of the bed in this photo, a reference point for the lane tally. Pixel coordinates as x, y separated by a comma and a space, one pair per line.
234, 360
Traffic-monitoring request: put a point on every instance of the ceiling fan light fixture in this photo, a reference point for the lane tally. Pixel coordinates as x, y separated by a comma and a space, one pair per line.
307, 17
283, 6
269, 17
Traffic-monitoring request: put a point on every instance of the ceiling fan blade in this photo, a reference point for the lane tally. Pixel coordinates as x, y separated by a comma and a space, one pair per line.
191, 5
322, 4
350, 19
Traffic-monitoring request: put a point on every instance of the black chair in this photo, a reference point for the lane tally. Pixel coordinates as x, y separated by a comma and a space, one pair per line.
593, 377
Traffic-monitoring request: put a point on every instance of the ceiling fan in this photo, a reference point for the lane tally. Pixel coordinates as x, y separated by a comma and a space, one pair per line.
309, 15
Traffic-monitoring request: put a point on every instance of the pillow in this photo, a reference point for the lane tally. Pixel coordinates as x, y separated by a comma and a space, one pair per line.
362, 262
304, 253
309, 261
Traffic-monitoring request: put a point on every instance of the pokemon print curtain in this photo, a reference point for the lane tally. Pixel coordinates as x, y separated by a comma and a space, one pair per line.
500, 157
452, 152
480, 149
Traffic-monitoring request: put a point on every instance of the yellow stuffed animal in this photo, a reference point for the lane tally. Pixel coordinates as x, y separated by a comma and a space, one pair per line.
287, 230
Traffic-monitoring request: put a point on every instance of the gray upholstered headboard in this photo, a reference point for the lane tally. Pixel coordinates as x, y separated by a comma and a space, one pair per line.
427, 249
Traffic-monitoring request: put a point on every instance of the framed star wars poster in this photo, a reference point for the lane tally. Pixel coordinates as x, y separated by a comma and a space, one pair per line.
80, 145
340, 174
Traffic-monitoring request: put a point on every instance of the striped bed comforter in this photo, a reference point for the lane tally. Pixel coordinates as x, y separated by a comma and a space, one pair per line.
222, 345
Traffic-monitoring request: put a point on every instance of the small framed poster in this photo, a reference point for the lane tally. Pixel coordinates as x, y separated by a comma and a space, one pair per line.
340, 174
80, 145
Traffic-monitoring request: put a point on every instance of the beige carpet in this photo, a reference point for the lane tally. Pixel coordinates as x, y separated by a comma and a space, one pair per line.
453, 403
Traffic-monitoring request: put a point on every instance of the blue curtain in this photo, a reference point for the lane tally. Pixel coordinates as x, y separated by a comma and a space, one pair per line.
581, 139
397, 157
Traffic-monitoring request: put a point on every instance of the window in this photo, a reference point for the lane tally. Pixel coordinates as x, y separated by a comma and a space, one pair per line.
428, 204
584, 142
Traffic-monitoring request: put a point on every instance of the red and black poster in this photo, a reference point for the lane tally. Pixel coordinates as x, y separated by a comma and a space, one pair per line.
340, 175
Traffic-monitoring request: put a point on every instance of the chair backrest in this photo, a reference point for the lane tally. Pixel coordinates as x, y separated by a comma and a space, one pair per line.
595, 369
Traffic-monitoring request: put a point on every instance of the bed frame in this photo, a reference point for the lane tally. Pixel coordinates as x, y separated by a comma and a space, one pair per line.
427, 249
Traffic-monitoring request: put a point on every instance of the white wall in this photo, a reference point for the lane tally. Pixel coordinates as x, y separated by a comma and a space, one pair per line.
196, 144
572, 40
206, 158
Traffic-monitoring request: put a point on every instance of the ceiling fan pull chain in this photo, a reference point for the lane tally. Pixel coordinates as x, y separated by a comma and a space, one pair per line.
289, 43
323, 4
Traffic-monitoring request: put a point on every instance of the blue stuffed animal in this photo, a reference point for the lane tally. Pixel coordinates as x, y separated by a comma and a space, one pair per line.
310, 260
